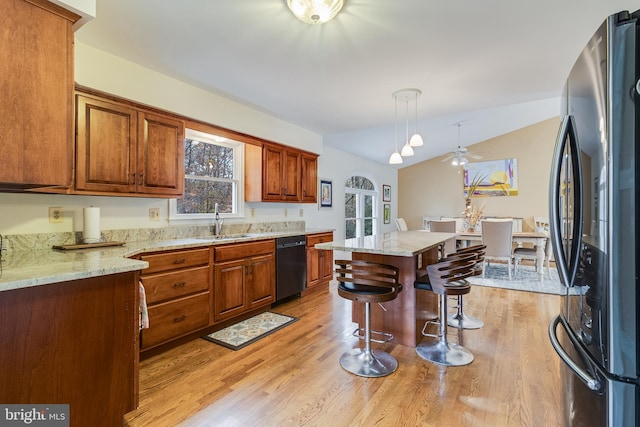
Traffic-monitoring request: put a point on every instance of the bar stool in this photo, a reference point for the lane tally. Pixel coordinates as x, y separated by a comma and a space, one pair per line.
368, 282
444, 279
460, 320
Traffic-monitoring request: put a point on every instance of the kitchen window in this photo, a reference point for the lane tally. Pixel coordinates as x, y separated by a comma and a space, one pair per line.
361, 213
213, 169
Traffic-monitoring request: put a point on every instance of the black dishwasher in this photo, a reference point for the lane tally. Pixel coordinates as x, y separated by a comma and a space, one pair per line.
291, 266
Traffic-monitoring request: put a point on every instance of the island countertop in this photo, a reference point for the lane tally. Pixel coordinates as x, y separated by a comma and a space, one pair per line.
395, 243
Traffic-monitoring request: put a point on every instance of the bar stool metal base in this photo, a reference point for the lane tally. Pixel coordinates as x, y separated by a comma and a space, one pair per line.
464, 322
370, 364
445, 353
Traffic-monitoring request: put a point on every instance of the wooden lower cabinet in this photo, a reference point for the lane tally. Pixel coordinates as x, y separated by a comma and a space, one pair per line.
244, 277
72, 343
319, 262
178, 290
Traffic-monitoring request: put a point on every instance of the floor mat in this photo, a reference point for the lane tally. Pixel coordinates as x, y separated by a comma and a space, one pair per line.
250, 330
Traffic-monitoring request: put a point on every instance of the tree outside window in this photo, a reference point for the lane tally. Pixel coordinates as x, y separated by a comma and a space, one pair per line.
212, 175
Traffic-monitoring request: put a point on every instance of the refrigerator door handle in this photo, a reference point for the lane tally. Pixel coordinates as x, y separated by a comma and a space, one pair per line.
590, 381
567, 138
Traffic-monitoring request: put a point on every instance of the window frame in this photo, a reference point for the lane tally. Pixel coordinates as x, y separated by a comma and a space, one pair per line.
360, 206
209, 136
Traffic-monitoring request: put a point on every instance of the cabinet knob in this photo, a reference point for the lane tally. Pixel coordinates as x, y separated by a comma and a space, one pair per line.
179, 319
178, 285
180, 261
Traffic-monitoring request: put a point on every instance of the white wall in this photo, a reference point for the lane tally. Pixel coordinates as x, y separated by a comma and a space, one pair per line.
28, 213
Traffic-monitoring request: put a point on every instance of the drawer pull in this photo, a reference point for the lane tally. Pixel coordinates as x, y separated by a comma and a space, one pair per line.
178, 285
180, 261
179, 319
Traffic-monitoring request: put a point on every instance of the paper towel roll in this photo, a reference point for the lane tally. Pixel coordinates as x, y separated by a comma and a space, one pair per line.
91, 227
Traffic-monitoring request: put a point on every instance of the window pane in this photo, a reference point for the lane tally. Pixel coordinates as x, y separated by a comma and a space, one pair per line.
359, 182
205, 159
350, 229
368, 227
200, 196
349, 205
368, 206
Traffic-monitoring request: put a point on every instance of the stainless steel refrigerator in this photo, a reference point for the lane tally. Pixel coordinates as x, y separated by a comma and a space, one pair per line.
594, 196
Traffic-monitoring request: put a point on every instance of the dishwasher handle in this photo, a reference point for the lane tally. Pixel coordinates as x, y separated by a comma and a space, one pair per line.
290, 244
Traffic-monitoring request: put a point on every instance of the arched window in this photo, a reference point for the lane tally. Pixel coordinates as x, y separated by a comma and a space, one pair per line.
361, 207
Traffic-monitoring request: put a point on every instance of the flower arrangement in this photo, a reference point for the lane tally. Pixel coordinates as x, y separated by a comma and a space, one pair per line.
472, 214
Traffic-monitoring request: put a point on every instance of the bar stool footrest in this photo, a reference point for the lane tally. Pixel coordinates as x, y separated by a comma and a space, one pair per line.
358, 333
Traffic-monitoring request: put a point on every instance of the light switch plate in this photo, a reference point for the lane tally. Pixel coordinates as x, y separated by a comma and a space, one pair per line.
56, 214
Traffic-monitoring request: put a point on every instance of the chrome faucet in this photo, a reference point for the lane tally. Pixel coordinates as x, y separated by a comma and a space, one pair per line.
217, 225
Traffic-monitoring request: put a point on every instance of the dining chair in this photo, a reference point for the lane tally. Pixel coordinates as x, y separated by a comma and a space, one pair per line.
445, 226
401, 224
530, 254
497, 235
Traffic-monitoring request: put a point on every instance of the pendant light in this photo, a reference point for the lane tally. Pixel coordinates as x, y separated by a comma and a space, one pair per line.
395, 158
416, 139
406, 149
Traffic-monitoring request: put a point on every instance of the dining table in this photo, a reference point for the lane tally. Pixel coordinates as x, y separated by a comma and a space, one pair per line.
538, 239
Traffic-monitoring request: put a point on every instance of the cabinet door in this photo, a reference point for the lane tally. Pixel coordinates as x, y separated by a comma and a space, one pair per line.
230, 290
36, 105
272, 172
106, 146
292, 177
160, 155
309, 178
313, 267
261, 281
326, 266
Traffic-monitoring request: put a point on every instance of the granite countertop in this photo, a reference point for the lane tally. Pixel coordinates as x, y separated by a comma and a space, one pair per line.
396, 243
21, 269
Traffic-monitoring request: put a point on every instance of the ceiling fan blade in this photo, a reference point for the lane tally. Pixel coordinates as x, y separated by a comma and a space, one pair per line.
449, 157
474, 156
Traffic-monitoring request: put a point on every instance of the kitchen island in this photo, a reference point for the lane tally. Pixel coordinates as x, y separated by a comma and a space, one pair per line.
411, 252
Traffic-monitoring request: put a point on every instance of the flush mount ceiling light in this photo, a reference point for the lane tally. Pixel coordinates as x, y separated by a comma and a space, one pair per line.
315, 11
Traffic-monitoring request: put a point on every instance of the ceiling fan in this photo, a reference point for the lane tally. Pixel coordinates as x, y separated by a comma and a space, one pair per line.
460, 155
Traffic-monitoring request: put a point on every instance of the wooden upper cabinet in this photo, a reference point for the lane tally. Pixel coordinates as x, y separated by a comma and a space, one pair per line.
121, 149
106, 146
36, 106
309, 178
275, 173
160, 155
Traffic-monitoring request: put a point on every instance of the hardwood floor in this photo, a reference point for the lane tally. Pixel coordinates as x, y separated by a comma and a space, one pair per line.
293, 377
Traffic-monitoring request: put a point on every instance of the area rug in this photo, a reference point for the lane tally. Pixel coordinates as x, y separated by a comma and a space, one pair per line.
249, 331
526, 279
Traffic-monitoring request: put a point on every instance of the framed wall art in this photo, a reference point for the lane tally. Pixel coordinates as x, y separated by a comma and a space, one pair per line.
386, 193
387, 213
326, 193
491, 178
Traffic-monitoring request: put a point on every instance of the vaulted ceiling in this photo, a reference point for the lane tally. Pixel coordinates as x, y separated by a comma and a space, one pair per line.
493, 65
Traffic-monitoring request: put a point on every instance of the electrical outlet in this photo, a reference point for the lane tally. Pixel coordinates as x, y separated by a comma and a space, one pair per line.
301, 213
154, 214
252, 212
286, 212
56, 214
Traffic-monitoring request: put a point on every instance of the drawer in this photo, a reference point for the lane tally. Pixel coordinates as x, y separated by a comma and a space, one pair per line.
164, 286
313, 239
172, 260
243, 250
176, 318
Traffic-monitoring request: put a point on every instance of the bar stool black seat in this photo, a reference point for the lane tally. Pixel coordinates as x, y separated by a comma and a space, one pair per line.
368, 282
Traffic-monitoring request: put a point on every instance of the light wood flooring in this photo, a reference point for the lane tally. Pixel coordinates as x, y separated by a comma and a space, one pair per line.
293, 377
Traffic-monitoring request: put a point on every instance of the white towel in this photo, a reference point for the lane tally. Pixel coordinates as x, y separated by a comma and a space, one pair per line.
144, 314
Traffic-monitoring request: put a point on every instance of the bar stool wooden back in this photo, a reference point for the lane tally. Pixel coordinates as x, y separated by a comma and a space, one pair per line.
459, 319
446, 278
368, 282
